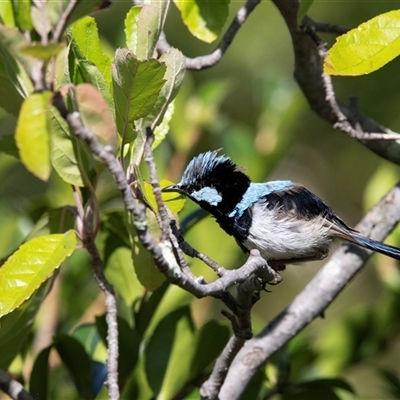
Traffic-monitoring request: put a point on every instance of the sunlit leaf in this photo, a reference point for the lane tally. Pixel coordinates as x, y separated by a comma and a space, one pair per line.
161, 131
86, 35
204, 18
174, 201
96, 114
366, 48
6, 13
130, 22
32, 134
30, 266
43, 52
142, 27
136, 87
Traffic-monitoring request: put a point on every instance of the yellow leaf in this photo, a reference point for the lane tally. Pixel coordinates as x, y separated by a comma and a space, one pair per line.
25, 270
366, 48
32, 134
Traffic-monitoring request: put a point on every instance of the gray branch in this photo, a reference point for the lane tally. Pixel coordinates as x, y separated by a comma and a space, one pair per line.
346, 262
309, 75
209, 60
13, 388
88, 235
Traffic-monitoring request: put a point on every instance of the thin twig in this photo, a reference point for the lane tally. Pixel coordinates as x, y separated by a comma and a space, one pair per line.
343, 123
13, 388
88, 235
209, 60
248, 293
191, 252
324, 27
151, 165
111, 317
62, 23
308, 73
210, 389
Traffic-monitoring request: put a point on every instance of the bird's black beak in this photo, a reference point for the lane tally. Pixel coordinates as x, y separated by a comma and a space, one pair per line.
173, 189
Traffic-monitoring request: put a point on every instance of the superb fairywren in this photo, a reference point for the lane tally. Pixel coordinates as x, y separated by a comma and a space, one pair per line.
285, 222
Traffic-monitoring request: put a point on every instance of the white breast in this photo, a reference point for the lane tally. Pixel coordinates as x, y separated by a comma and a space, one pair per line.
283, 239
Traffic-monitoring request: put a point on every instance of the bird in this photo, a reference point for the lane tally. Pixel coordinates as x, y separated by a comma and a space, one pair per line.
284, 221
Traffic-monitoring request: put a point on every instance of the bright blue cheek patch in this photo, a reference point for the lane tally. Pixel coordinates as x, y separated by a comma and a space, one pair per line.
207, 194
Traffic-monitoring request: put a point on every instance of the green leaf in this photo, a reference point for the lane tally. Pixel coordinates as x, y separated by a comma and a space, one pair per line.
121, 274
161, 131
32, 134
317, 389
137, 85
130, 22
16, 326
204, 18
43, 52
78, 363
89, 338
173, 201
174, 74
68, 156
7, 13
304, 6
38, 382
14, 81
23, 272
169, 353
149, 307
146, 271
55, 10
113, 232
96, 114
8, 145
83, 70
22, 14
86, 36
143, 26
392, 382
366, 48
209, 342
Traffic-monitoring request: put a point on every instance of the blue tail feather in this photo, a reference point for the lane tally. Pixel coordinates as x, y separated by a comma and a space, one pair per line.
379, 247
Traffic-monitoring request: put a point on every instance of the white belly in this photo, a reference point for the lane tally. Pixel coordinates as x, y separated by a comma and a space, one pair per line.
284, 239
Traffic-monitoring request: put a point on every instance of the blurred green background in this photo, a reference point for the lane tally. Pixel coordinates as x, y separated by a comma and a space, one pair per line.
250, 106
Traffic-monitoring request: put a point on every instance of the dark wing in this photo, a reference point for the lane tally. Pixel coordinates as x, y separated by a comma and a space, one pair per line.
299, 202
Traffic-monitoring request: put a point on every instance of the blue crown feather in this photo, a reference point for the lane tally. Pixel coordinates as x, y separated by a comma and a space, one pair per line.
202, 165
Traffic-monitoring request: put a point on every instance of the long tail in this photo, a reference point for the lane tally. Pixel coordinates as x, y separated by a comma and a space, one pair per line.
374, 245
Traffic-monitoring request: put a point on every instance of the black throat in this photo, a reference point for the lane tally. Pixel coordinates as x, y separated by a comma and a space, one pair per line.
231, 184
